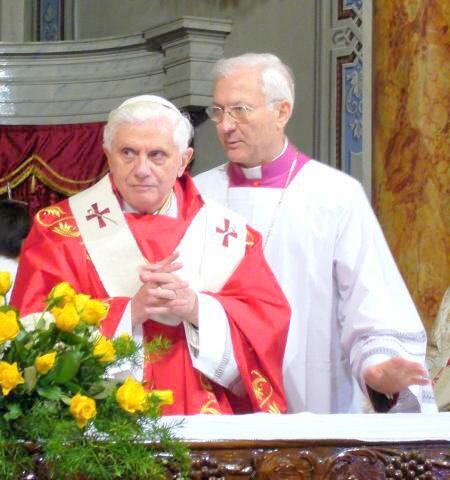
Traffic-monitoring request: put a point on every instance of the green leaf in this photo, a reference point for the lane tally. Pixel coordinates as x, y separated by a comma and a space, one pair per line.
30, 377
65, 399
21, 335
14, 411
40, 324
51, 393
102, 390
72, 338
67, 366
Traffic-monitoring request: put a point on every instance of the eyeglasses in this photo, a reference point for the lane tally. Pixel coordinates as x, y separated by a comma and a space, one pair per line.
236, 112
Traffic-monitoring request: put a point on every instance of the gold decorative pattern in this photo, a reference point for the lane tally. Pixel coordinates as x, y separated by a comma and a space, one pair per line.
66, 230
211, 406
58, 221
263, 392
273, 408
51, 211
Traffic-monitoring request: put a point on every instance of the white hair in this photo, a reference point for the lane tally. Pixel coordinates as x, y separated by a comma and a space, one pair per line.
277, 79
147, 107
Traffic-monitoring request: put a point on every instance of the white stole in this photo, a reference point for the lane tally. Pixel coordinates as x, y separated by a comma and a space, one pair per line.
211, 249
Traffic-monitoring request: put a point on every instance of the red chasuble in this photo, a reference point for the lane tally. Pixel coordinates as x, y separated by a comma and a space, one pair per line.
256, 308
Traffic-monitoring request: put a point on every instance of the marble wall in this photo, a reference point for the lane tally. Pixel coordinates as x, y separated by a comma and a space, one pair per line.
412, 142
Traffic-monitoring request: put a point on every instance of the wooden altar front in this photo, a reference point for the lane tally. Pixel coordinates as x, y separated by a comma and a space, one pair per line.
318, 447
320, 460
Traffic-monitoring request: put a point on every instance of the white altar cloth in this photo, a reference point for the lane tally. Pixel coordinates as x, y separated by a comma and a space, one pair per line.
399, 427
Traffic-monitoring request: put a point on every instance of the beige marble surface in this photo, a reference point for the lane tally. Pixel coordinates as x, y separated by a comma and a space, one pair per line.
412, 142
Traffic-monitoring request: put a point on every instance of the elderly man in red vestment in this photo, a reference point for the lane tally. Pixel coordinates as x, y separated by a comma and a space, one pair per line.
172, 266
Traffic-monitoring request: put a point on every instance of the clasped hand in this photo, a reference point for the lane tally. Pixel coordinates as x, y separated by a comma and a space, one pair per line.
164, 297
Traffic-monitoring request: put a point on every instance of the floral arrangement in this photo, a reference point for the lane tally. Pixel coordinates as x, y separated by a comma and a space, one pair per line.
56, 396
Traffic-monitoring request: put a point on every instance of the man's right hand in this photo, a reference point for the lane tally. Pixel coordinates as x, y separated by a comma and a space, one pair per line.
394, 375
163, 296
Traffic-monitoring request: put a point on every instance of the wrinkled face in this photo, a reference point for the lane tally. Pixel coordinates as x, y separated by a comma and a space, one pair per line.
260, 137
145, 163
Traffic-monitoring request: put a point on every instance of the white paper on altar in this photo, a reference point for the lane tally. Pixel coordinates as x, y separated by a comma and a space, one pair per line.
307, 426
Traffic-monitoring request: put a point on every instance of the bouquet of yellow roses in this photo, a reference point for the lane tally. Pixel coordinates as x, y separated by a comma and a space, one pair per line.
55, 394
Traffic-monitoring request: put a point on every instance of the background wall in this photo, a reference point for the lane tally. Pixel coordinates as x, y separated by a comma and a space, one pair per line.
289, 34
15, 20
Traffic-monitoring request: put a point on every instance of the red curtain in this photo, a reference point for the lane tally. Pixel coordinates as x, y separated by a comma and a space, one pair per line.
45, 163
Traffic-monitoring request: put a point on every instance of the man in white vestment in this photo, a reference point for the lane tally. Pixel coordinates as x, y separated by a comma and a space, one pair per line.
355, 342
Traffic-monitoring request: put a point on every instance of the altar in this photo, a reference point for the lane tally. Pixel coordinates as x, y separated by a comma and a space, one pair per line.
315, 447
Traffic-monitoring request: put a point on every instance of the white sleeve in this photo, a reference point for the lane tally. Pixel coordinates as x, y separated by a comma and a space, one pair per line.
210, 345
375, 310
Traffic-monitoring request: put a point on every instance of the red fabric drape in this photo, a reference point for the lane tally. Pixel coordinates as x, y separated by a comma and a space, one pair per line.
44, 163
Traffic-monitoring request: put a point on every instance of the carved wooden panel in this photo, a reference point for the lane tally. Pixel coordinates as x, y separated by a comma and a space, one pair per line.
321, 460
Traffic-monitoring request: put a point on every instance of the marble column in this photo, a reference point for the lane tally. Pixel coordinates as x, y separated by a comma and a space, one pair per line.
411, 142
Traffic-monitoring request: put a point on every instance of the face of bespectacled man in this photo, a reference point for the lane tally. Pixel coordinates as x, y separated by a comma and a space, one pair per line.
145, 163
259, 137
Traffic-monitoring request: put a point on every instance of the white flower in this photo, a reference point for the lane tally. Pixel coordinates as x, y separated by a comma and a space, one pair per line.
30, 321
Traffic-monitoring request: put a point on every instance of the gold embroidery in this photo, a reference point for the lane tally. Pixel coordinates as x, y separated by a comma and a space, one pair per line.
58, 221
273, 408
51, 211
207, 407
263, 392
66, 230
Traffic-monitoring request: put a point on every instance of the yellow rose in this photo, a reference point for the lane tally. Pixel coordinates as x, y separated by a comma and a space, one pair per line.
83, 409
44, 363
131, 396
10, 377
104, 350
94, 312
61, 294
9, 326
5, 282
80, 301
125, 337
66, 318
164, 396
